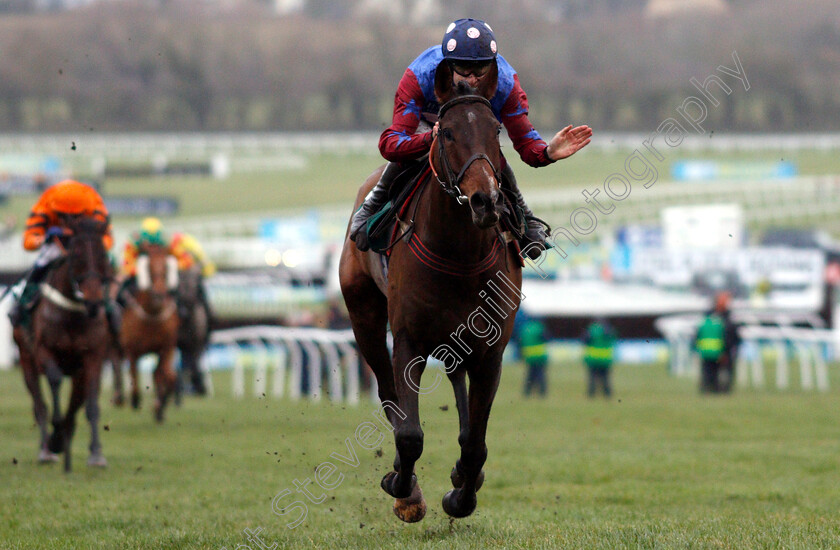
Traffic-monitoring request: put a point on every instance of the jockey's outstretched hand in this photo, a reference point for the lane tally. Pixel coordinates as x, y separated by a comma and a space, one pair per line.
569, 141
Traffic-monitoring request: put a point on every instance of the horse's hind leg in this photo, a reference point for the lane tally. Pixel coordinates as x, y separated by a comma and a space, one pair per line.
461, 502
459, 386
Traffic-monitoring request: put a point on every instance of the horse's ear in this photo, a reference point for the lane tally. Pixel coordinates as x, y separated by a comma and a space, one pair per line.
443, 82
488, 86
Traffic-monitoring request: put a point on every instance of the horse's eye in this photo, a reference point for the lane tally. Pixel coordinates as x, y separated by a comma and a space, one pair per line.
447, 134
498, 130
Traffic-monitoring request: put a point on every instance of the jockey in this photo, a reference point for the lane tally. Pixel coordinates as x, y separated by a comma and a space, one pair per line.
44, 229
187, 244
182, 246
184, 243
468, 50
151, 233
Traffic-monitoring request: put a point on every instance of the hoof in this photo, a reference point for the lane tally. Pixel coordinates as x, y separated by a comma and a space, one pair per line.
413, 508
118, 400
458, 481
97, 461
451, 507
135, 401
47, 457
159, 413
389, 485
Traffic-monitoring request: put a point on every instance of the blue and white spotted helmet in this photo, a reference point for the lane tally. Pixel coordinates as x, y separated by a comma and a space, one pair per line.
469, 40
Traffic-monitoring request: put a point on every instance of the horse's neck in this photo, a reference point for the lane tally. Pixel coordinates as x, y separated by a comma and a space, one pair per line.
448, 229
59, 279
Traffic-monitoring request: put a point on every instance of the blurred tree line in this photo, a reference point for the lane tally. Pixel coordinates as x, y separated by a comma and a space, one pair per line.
179, 66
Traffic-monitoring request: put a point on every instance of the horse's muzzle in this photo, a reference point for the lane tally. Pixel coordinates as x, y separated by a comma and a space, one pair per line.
484, 209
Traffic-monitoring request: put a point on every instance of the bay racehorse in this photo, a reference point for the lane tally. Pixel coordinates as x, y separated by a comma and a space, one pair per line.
150, 323
68, 336
451, 291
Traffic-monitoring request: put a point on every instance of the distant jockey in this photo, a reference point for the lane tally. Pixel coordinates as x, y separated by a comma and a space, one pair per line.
151, 233
185, 248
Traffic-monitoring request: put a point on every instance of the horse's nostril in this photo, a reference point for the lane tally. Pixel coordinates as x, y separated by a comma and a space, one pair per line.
481, 202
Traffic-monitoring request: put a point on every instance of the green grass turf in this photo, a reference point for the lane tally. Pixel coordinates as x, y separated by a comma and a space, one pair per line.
658, 466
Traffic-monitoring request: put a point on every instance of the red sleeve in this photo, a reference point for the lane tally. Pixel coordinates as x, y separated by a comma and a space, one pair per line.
526, 140
399, 142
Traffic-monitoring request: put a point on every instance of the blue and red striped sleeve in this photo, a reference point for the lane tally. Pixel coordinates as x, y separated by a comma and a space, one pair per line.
526, 140
399, 142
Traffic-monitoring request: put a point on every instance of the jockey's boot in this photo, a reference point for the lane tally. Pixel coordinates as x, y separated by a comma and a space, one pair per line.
375, 200
29, 294
533, 240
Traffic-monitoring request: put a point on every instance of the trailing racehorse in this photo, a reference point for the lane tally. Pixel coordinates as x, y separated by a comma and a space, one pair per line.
194, 329
68, 336
150, 322
451, 291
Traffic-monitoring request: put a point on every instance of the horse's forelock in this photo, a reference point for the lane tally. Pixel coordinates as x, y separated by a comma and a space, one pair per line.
463, 88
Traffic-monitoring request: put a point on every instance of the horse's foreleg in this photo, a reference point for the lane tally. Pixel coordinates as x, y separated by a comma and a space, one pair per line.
196, 374
93, 377
135, 384
77, 398
461, 502
165, 379
117, 367
54, 376
39, 407
459, 386
408, 436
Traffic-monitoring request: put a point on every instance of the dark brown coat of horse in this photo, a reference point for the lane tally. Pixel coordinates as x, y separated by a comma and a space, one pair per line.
150, 323
452, 290
69, 337
194, 329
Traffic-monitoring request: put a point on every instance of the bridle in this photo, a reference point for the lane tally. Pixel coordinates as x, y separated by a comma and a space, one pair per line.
76, 280
451, 185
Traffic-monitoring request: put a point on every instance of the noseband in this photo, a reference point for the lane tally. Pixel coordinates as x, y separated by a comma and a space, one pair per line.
453, 180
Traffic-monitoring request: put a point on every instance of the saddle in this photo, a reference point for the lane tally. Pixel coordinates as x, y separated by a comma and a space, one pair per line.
30, 296
382, 226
